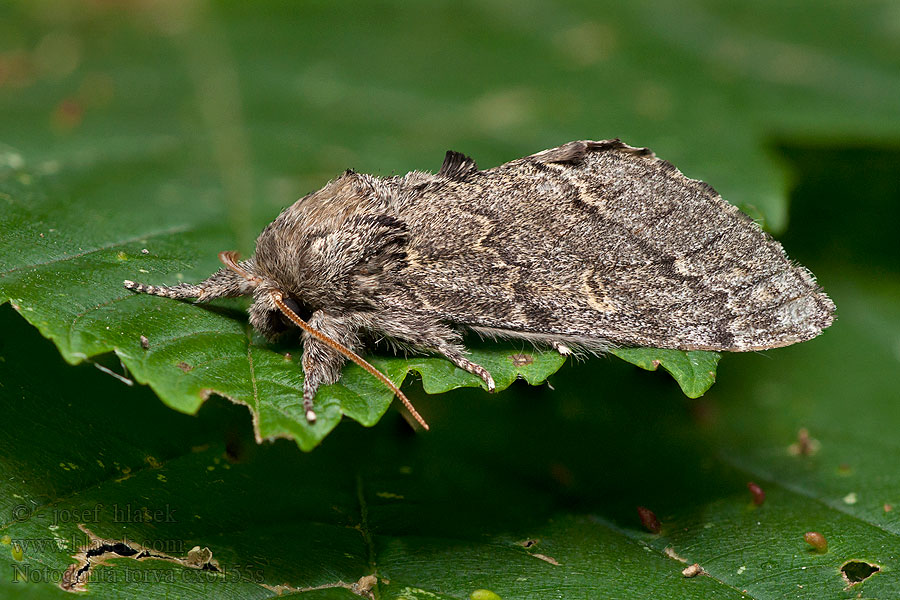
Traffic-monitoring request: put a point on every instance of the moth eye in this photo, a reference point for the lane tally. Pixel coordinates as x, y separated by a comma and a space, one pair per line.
302, 310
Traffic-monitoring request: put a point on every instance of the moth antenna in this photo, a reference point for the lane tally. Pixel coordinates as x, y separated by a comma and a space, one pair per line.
290, 314
229, 258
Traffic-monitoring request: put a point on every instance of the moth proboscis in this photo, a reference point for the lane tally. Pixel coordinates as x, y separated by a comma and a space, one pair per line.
583, 247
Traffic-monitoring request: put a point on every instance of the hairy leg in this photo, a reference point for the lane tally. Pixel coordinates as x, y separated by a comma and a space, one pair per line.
322, 363
458, 359
430, 336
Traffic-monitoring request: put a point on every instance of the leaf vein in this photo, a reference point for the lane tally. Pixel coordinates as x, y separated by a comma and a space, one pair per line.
91, 309
633, 539
177, 338
253, 379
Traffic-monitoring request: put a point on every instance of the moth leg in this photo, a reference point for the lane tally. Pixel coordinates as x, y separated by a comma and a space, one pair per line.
430, 336
561, 348
457, 358
321, 363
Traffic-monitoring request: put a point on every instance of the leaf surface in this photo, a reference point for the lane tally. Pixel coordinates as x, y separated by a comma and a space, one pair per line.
151, 127
64, 278
534, 491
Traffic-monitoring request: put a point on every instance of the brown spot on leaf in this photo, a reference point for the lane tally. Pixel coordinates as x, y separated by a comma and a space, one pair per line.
545, 558
528, 543
648, 519
145, 343
692, 570
520, 360
759, 496
198, 557
184, 367
68, 114
670, 552
805, 445
16, 69
365, 584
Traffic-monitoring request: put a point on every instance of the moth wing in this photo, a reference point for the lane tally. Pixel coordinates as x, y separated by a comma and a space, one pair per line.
600, 243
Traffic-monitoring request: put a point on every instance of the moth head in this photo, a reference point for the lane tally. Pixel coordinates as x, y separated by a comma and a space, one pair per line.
265, 316
334, 247
270, 299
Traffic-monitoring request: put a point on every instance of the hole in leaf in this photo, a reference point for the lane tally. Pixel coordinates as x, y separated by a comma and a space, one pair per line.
100, 550
855, 571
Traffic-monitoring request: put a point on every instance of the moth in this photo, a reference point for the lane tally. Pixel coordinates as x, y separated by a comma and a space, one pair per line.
587, 246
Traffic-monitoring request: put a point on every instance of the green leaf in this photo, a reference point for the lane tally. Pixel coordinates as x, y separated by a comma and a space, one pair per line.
695, 372
72, 292
184, 133
533, 491
190, 127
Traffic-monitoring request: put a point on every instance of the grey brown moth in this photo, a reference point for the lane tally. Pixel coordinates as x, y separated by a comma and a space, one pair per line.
587, 246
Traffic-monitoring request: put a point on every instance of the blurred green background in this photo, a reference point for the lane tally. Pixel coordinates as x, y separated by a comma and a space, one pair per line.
120, 119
